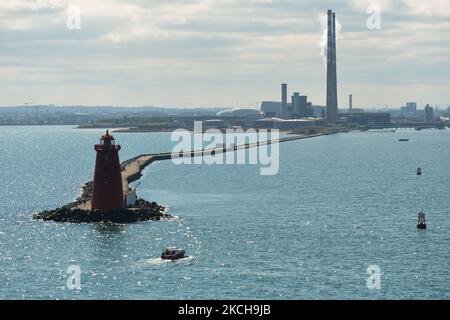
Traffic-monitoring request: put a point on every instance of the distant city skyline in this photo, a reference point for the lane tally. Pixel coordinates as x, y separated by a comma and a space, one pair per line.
205, 53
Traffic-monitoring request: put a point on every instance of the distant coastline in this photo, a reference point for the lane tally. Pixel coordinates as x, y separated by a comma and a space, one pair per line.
304, 131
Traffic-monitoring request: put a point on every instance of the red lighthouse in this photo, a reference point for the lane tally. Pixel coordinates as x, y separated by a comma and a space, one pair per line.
107, 191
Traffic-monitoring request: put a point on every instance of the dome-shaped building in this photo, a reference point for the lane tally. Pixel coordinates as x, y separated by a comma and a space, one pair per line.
240, 113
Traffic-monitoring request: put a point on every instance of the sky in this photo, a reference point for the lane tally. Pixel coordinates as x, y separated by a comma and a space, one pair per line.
204, 53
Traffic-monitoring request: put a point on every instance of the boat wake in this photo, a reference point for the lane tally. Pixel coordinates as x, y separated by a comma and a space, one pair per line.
159, 261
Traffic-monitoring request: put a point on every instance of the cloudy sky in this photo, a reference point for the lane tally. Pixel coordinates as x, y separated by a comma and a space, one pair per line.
187, 53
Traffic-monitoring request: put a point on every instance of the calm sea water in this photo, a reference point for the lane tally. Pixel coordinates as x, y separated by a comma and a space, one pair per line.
339, 204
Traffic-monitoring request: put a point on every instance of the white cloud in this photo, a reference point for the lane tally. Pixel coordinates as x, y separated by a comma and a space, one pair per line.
31, 5
414, 7
429, 7
229, 48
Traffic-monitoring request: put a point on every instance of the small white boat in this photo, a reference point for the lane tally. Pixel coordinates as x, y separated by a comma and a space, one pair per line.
173, 253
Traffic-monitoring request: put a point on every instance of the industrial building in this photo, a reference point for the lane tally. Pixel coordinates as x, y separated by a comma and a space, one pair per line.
287, 124
375, 119
410, 108
429, 114
299, 105
297, 109
233, 117
272, 108
316, 111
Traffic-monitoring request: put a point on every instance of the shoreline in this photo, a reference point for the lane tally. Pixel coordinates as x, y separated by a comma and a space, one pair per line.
132, 129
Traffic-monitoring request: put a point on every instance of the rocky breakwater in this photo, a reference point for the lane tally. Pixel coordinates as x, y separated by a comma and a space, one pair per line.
78, 212
141, 211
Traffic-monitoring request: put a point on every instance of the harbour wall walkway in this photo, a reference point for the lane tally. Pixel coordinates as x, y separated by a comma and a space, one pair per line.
132, 168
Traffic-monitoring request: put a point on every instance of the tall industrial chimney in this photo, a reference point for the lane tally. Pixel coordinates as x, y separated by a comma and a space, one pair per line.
350, 102
284, 97
334, 64
331, 111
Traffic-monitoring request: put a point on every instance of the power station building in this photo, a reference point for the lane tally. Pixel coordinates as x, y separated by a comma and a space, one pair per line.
371, 119
298, 108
